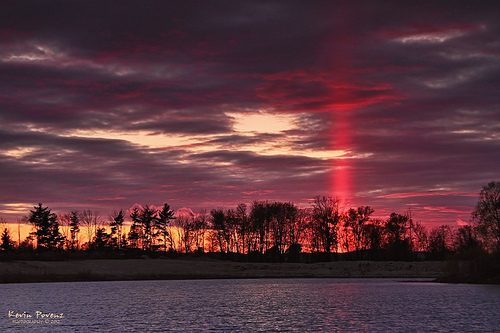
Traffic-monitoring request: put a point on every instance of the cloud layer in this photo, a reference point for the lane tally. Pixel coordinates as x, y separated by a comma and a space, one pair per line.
205, 104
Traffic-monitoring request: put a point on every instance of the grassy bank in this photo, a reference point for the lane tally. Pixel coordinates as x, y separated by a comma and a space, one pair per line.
482, 269
164, 269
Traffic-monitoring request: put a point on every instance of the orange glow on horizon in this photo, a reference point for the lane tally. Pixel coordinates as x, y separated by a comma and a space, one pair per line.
19, 232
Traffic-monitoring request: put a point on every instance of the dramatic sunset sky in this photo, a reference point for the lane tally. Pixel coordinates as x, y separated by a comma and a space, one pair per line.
206, 104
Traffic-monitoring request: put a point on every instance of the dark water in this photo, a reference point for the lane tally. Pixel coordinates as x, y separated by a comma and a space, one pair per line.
267, 305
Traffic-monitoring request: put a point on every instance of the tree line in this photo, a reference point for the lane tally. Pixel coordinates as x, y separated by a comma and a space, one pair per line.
270, 230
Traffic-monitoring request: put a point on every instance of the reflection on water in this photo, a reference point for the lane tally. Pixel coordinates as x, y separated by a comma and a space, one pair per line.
267, 305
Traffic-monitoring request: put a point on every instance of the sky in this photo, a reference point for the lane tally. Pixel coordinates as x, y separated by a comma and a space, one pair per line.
205, 104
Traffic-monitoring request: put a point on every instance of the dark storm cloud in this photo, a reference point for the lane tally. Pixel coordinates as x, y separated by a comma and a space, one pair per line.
407, 91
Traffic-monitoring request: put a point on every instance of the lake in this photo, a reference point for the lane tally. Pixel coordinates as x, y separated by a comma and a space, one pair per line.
258, 305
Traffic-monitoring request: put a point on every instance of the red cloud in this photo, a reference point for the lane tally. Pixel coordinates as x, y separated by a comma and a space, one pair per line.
446, 209
321, 92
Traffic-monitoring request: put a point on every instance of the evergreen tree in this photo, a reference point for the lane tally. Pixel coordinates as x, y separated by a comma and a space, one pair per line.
162, 221
47, 228
146, 219
116, 229
74, 228
101, 240
7, 243
143, 221
135, 233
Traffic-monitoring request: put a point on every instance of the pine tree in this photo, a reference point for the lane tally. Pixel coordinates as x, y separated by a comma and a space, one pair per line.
101, 240
135, 232
7, 243
116, 229
161, 223
74, 228
47, 228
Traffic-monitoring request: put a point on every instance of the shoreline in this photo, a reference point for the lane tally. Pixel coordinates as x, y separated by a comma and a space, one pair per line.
178, 269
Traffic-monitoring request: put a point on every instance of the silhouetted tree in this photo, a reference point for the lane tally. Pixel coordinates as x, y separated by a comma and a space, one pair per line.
345, 234
7, 243
296, 228
374, 234
47, 228
259, 225
282, 216
135, 232
64, 222
243, 227
185, 228
356, 223
146, 220
92, 221
326, 218
162, 221
466, 239
269, 225
486, 214
396, 228
420, 237
101, 240
200, 226
276, 219
440, 240
74, 229
150, 225
28, 243
134, 236
116, 225
230, 234
219, 228
272, 230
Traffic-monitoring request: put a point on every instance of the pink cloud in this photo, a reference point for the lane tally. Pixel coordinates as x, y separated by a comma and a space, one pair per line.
425, 194
446, 209
184, 212
461, 222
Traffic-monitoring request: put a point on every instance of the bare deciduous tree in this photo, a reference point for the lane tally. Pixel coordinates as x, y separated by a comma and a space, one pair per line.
91, 221
486, 214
